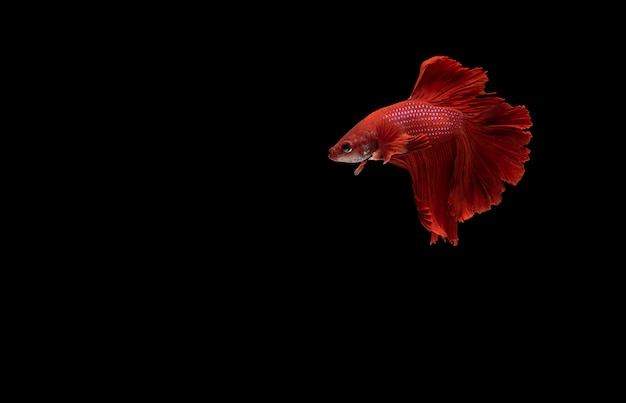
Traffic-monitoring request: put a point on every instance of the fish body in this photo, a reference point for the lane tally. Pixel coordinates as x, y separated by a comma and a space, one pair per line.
459, 143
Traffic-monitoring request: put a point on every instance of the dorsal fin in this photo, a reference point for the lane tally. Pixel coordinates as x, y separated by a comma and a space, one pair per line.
444, 80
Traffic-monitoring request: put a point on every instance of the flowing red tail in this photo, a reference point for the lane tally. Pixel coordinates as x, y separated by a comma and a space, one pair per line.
453, 181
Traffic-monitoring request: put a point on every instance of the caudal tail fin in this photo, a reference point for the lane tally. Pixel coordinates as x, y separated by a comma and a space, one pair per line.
491, 149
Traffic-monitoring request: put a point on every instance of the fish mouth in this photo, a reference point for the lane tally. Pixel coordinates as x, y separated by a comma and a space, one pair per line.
334, 155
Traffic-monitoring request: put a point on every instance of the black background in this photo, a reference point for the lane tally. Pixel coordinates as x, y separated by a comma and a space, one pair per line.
257, 202
318, 211
243, 230
273, 101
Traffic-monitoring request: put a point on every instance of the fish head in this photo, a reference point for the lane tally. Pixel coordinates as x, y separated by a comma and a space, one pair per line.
358, 145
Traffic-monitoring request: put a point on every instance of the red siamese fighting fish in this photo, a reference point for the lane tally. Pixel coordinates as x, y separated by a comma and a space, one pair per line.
458, 142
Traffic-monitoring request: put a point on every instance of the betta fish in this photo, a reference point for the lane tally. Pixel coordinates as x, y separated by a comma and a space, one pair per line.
459, 144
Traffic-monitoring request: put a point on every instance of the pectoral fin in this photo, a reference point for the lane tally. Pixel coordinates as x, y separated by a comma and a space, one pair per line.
418, 142
403, 144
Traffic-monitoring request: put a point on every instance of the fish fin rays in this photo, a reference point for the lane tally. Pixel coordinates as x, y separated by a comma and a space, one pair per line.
492, 152
403, 144
444, 80
454, 180
418, 142
431, 174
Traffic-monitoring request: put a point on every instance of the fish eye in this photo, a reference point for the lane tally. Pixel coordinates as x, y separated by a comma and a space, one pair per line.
346, 147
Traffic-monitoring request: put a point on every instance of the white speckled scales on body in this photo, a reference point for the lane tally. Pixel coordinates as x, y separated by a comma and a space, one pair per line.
439, 123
